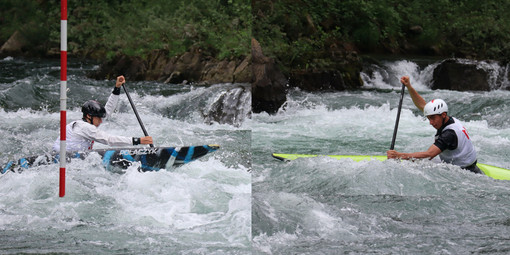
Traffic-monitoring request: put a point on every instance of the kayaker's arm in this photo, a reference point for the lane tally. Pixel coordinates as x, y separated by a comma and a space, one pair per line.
430, 153
417, 99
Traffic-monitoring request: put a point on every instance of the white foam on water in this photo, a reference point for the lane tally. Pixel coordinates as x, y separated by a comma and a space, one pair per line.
206, 203
321, 205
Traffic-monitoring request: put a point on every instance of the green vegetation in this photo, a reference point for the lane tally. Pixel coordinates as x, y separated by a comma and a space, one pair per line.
99, 28
29, 18
298, 33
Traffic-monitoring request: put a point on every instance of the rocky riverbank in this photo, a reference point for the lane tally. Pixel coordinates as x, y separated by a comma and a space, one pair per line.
268, 82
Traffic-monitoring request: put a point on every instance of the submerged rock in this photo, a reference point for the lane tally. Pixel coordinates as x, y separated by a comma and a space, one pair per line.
232, 107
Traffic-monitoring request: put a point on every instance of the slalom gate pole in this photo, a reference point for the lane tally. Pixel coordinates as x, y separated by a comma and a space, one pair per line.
63, 96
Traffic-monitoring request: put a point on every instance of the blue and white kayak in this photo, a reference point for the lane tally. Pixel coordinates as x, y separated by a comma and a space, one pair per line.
151, 159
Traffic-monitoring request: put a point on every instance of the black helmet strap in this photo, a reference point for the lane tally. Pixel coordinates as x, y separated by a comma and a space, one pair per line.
87, 118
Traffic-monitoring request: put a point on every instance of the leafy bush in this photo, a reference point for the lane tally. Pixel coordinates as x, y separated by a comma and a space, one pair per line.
297, 33
102, 28
470, 28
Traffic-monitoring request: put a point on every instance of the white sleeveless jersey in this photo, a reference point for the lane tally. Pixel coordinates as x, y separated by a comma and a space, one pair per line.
80, 135
465, 154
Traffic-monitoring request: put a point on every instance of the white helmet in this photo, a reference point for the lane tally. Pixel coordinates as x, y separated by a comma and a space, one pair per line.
436, 106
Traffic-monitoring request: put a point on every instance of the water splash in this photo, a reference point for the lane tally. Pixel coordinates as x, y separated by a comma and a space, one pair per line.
202, 207
386, 74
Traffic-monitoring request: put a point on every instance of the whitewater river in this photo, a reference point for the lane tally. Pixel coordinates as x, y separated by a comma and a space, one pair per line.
239, 200
328, 206
200, 208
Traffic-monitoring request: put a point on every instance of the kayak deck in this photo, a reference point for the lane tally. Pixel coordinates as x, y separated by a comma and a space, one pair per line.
494, 172
151, 159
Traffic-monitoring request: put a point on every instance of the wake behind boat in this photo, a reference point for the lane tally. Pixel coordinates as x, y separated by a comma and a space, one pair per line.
491, 171
150, 158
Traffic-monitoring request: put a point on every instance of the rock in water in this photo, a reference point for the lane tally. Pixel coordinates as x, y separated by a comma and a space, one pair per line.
232, 106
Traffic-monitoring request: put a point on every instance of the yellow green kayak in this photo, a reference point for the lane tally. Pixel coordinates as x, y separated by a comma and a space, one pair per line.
491, 171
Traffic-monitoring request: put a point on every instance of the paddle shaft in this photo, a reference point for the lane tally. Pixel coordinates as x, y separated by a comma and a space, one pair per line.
398, 118
136, 113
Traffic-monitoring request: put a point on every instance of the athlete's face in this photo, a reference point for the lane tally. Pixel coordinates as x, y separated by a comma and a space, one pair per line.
96, 121
436, 120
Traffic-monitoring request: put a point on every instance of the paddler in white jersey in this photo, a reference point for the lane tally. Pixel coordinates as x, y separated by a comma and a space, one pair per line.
452, 142
81, 134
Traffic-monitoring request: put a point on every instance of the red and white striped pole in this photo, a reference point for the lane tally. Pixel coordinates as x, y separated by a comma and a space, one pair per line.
63, 95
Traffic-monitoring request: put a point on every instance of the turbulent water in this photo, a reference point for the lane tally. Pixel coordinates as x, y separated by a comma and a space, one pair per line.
328, 206
239, 200
203, 207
